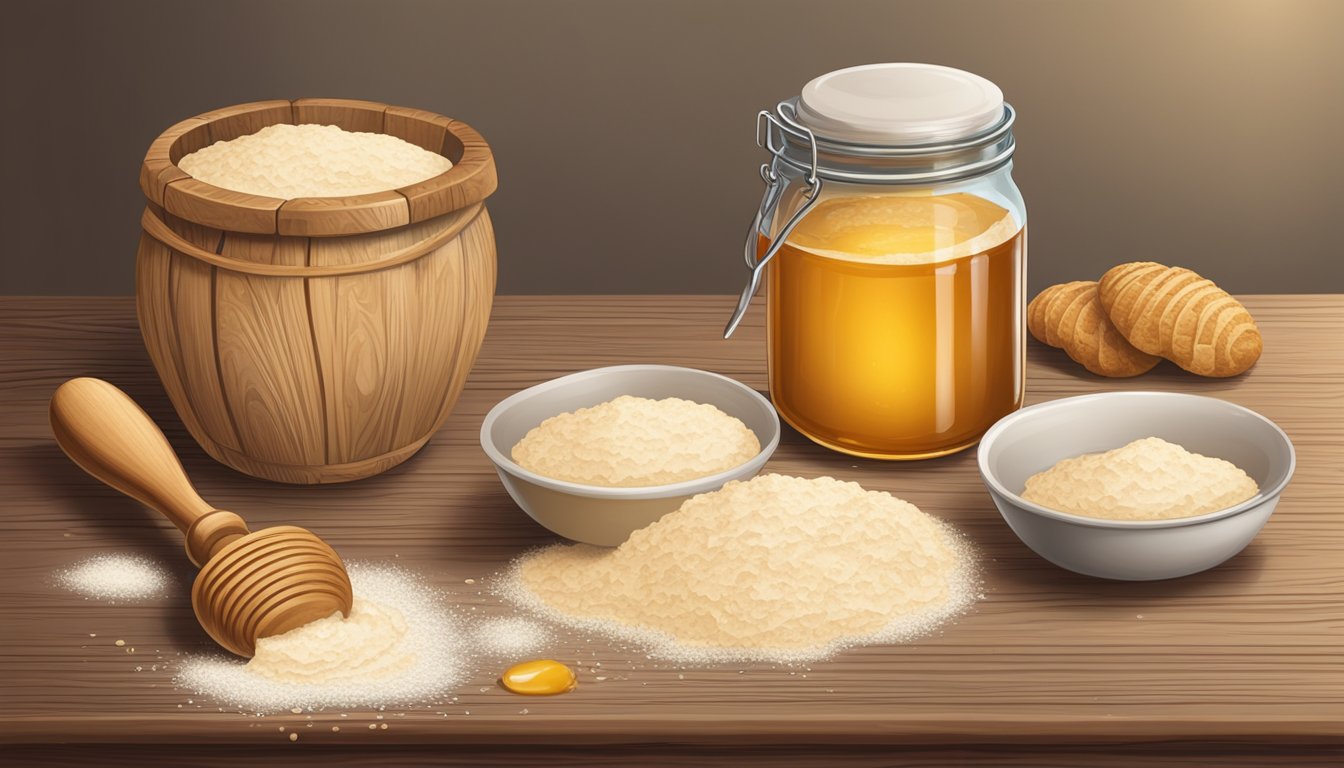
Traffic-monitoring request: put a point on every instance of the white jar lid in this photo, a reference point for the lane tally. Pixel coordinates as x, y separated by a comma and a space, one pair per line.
899, 104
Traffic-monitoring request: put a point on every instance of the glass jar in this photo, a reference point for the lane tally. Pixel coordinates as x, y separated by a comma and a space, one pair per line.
895, 244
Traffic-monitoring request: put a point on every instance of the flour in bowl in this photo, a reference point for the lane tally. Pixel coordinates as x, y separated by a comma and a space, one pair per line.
636, 441
1148, 479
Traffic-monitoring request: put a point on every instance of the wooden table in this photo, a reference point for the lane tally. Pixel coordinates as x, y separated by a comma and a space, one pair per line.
1243, 662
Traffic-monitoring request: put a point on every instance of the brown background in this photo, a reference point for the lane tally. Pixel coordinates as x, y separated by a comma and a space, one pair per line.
1198, 132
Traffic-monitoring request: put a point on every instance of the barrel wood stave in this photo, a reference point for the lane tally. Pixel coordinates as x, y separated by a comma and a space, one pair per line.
326, 345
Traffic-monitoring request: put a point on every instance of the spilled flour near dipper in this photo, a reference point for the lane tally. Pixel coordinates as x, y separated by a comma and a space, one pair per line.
116, 577
776, 568
399, 645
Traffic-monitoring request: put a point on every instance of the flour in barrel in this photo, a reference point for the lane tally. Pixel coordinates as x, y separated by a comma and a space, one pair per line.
289, 161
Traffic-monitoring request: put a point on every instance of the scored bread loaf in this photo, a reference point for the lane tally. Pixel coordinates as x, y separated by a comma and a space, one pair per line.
1175, 313
1070, 316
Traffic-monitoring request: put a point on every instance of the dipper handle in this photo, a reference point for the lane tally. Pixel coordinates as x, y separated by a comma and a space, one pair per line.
103, 431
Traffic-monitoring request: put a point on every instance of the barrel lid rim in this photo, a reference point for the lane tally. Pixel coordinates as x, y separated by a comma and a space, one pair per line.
471, 180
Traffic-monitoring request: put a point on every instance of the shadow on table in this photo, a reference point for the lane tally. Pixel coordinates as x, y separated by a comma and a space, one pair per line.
1030, 573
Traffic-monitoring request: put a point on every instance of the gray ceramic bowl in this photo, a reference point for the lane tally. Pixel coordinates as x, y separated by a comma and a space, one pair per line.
607, 516
1033, 439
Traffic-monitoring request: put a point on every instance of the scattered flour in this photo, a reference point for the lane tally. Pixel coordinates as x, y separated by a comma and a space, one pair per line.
635, 441
116, 577
1149, 479
775, 568
399, 645
509, 636
369, 644
289, 161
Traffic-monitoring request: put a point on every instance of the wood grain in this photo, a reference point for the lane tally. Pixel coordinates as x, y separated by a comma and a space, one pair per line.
317, 359
1240, 664
228, 282
159, 167
179, 336
361, 327
228, 123
263, 249
478, 276
268, 368
348, 755
419, 127
471, 179
221, 208
348, 114
288, 356
314, 216
206, 245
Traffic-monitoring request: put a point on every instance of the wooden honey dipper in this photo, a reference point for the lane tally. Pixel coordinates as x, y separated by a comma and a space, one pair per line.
252, 584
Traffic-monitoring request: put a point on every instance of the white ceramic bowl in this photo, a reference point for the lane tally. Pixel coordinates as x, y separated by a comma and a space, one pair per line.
602, 515
1033, 439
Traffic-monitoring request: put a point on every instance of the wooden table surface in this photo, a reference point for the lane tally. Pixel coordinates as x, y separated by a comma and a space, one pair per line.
1243, 662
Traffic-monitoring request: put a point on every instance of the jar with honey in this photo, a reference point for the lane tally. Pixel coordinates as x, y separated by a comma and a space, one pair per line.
893, 243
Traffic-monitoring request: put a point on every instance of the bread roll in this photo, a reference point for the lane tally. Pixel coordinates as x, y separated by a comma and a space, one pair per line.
1175, 313
1070, 316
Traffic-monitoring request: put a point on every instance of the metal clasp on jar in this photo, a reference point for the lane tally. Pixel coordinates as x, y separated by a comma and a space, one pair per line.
793, 144
767, 127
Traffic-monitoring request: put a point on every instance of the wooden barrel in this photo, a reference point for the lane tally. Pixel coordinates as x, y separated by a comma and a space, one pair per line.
315, 340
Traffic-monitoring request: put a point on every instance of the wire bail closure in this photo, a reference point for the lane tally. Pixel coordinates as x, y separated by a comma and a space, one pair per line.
793, 145
767, 128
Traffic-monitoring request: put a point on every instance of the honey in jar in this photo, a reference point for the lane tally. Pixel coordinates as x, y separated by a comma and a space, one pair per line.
893, 242
894, 322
